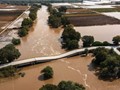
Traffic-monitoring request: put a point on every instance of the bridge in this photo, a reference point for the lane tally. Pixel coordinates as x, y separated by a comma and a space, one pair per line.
32, 61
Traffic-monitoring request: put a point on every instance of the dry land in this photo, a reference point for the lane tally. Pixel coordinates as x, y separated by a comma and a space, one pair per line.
9, 13
87, 17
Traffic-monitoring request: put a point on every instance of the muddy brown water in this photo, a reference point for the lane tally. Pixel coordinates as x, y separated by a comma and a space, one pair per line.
41, 40
74, 69
44, 41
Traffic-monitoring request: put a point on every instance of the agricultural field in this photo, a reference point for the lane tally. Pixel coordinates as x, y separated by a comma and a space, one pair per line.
89, 17
9, 13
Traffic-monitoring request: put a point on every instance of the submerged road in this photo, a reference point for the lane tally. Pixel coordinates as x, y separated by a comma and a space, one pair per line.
51, 58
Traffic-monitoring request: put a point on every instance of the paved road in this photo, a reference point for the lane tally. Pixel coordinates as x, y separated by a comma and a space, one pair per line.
51, 58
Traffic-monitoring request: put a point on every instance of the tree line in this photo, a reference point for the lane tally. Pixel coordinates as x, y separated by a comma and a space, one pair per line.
28, 22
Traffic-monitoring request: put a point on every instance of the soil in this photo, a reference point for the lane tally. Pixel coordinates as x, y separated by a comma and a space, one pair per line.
92, 20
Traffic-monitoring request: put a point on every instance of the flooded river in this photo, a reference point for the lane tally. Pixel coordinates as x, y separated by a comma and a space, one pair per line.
41, 40
44, 41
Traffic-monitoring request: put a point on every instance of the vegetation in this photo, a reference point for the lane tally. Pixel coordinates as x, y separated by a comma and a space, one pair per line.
62, 9
86, 51
56, 18
8, 72
116, 40
8, 54
16, 41
70, 38
87, 41
47, 72
98, 43
54, 21
23, 31
64, 21
63, 85
108, 62
28, 22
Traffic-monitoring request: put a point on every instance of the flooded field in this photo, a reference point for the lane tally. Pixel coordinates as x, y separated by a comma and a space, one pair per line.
77, 69
100, 33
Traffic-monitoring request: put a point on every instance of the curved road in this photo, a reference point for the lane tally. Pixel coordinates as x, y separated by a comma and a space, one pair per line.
51, 58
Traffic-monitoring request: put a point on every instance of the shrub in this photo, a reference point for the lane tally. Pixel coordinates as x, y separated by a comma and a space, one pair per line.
16, 41
47, 72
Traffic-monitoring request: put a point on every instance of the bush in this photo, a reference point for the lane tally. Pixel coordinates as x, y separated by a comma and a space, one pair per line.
47, 72
97, 43
23, 32
116, 40
8, 72
62, 9
27, 22
87, 41
32, 16
16, 41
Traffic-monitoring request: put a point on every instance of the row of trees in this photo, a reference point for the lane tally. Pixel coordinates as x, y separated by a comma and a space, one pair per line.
28, 22
108, 62
56, 18
63, 85
89, 41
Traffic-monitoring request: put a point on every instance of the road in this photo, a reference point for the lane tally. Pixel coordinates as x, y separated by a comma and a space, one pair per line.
51, 58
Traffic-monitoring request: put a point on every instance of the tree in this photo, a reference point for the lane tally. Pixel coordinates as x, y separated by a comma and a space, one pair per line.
87, 41
64, 21
69, 85
62, 9
108, 63
97, 43
72, 44
27, 22
8, 54
110, 67
8, 72
70, 38
100, 55
63, 85
47, 72
16, 41
116, 39
49, 87
105, 43
32, 16
23, 32
86, 51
